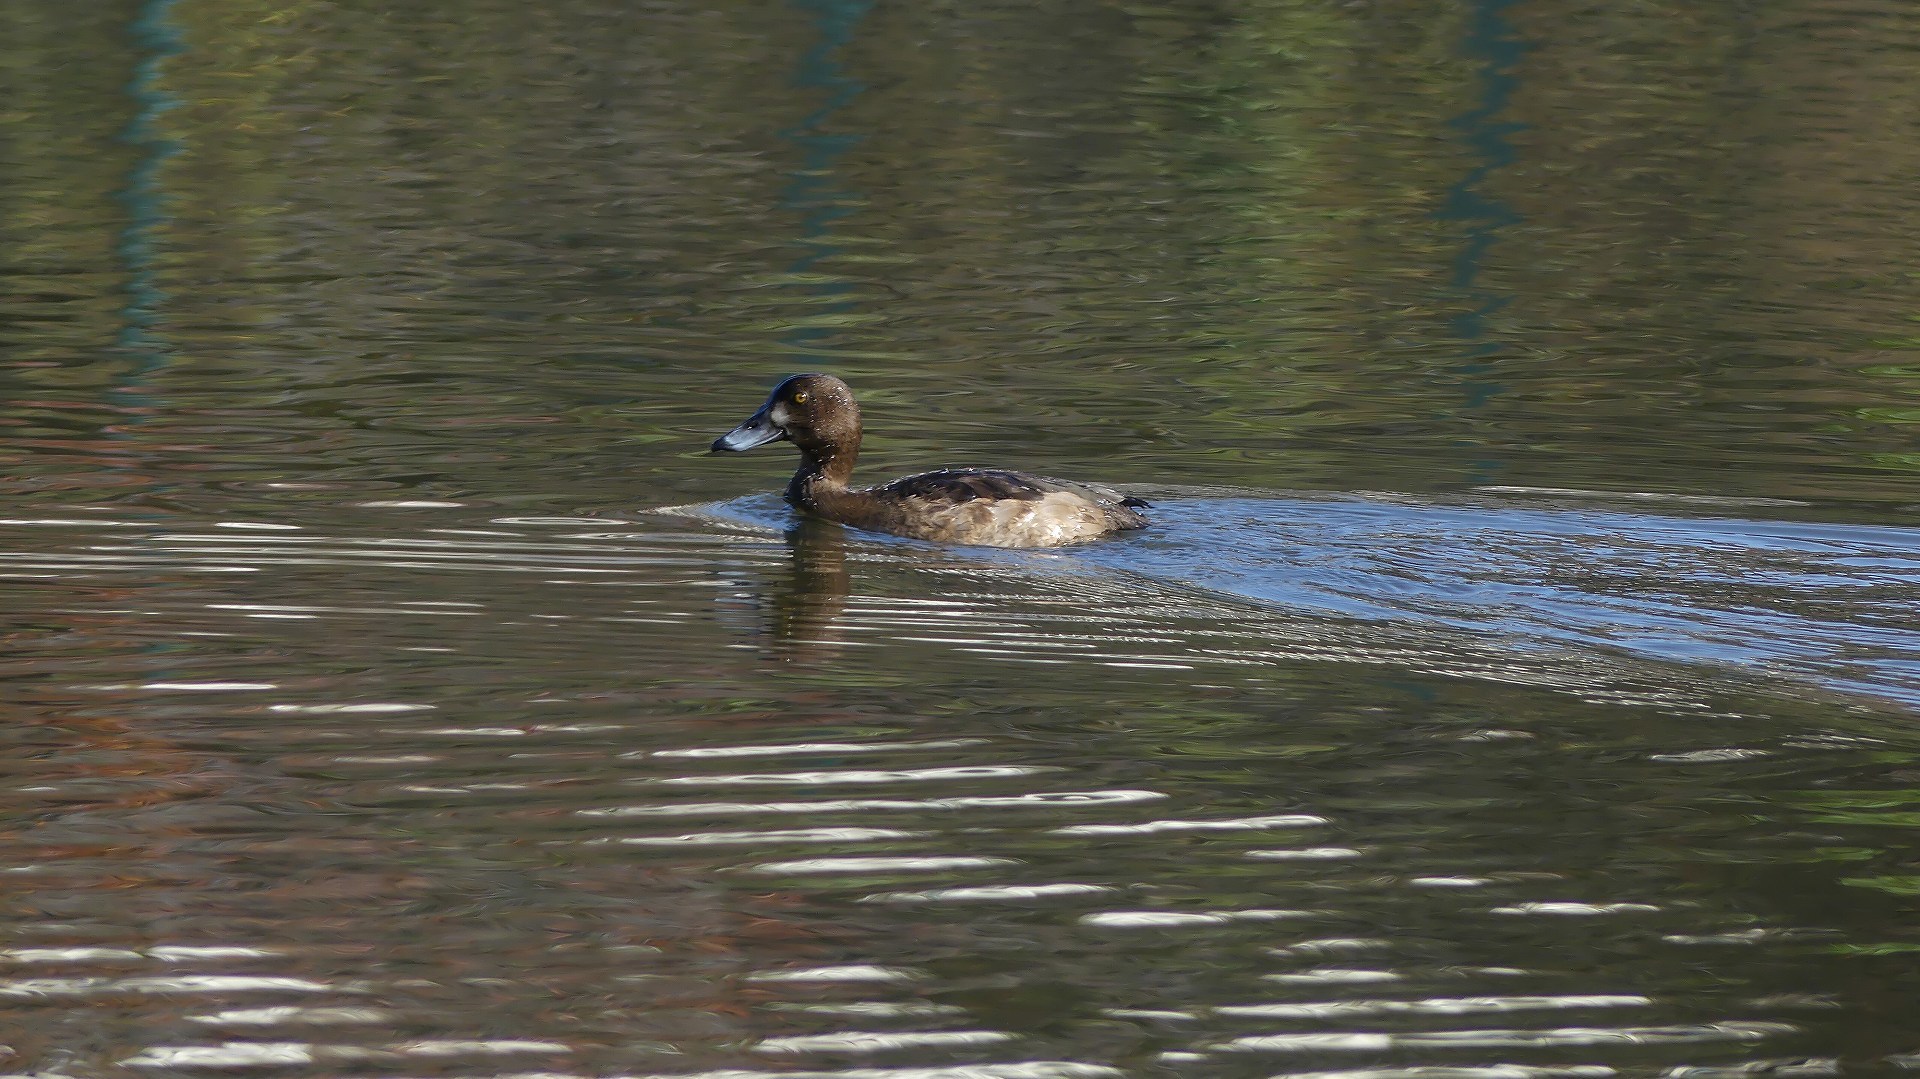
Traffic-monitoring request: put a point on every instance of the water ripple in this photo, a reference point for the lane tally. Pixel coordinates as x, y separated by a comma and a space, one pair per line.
1336, 1009
1042, 799
1739, 1032
870, 1042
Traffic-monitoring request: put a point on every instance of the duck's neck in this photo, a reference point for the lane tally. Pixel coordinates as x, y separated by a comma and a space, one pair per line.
822, 478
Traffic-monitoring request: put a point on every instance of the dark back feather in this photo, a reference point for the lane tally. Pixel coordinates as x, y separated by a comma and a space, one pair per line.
957, 485
953, 486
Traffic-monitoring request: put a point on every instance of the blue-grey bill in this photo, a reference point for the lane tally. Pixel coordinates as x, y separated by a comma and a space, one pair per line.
757, 431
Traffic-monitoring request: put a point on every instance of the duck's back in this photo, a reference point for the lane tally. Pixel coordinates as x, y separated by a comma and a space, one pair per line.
997, 508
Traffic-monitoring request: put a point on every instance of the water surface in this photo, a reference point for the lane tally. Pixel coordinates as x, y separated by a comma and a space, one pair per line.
1519, 679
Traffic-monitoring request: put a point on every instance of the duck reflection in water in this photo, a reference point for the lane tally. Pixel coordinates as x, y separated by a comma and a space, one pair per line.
804, 612
980, 506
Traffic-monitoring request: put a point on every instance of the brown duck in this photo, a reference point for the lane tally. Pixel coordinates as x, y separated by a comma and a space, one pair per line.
985, 506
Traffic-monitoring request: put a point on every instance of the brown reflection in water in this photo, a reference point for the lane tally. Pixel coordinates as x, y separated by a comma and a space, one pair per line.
89, 762
804, 614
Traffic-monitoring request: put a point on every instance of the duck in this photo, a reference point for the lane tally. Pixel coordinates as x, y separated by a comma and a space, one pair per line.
974, 506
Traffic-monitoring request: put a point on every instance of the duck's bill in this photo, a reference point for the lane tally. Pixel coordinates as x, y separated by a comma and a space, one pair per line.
757, 431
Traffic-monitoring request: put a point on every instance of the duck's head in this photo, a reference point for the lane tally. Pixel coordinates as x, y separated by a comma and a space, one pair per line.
816, 412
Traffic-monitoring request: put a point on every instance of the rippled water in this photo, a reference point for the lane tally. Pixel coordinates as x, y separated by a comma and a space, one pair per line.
1519, 679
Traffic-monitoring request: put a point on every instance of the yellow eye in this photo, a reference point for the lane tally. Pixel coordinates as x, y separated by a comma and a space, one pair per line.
799, 397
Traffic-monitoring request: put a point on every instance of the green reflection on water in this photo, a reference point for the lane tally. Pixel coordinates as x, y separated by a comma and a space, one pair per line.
1213, 243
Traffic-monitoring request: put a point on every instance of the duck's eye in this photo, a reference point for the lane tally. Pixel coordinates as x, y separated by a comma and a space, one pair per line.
799, 397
